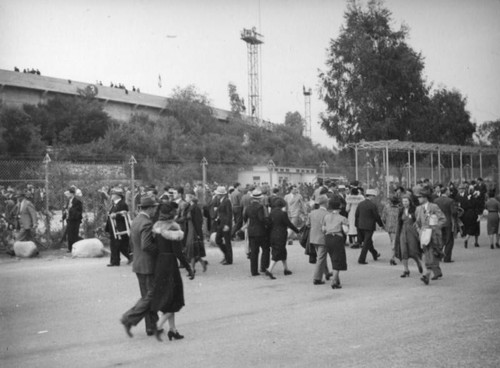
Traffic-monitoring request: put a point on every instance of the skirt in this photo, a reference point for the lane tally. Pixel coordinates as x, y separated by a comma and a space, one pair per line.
168, 291
492, 224
278, 251
335, 247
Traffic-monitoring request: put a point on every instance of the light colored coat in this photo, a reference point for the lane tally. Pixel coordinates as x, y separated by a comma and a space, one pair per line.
316, 235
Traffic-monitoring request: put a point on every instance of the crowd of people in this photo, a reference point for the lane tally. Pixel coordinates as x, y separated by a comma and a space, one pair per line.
29, 71
172, 225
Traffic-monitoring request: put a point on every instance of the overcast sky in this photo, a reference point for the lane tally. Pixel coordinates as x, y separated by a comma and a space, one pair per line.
198, 42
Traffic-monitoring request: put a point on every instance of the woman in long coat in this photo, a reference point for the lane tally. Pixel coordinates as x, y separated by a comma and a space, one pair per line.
406, 242
279, 223
390, 219
493, 207
168, 293
472, 205
195, 247
352, 201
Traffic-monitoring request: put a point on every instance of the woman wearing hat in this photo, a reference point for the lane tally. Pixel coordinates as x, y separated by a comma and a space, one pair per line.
168, 294
471, 203
352, 201
279, 222
335, 239
429, 220
406, 242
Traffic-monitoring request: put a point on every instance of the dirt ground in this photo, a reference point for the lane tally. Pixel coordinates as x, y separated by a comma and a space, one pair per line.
56, 311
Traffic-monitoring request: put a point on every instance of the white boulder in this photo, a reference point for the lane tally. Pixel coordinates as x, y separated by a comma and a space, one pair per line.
25, 249
88, 248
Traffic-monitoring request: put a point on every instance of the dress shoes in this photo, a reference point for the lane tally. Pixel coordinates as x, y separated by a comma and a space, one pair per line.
318, 282
497, 245
405, 274
152, 333
256, 274
392, 262
425, 280
127, 327
362, 262
436, 277
287, 272
336, 285
355, 246
113, 265
448, 261
328, 276
376, 256
270, 275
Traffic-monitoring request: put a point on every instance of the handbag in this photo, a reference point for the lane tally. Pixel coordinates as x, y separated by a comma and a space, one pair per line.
425, 236
304, 236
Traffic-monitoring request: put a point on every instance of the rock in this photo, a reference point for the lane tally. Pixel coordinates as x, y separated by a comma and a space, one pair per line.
88, 248
25, 249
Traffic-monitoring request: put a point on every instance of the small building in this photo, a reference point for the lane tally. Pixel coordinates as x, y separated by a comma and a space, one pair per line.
262, 175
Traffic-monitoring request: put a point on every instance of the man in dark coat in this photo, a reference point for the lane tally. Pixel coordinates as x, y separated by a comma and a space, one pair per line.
223, 220
141, 238
449, 209
366, 218
73, 215
118, 244
257, 233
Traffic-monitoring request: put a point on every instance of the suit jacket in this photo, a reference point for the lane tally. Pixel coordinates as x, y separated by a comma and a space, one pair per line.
448, 207
316, 235
367, 216
422, 216
256, 216
120, 220
75, 210
27, 215
224, 211
144, 249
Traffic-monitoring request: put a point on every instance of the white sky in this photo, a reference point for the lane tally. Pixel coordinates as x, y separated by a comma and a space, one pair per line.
125, 41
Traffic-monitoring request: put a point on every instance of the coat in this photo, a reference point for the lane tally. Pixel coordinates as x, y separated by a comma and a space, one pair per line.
316, 235
448, 207
119, 220
75, 211
367, 216
279, 222
223, 212
143, 246
27, 215
256, 217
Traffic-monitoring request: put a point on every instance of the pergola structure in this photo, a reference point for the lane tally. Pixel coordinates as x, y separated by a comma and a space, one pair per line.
417, 147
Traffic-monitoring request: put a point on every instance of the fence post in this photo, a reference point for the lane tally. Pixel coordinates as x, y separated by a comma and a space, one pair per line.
132, 163
46, 162
271, 165
204, 164
323, 165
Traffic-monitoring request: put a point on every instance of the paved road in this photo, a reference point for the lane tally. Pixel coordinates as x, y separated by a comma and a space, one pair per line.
61, 312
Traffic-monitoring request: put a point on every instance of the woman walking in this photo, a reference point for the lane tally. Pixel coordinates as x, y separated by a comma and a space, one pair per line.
493, 207
472, 206
335, 240
352, 201
279, 223
168, 294
195, 248
406, 242
390, 219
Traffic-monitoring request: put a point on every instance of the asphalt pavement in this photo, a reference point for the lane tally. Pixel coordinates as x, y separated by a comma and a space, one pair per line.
56, 311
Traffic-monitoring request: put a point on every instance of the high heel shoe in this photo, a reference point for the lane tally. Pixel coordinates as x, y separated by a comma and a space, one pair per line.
174, 335
204, 264
271, 276
476, 245
392, 262
405, 274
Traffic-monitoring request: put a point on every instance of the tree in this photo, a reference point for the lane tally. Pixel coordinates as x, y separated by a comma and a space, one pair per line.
294, 120
489, 133
373, 87
18, 134
237, 103
449, 121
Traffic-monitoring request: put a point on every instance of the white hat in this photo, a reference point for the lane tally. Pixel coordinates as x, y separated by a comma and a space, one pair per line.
371, 192
221, 190
257, 193
341, 186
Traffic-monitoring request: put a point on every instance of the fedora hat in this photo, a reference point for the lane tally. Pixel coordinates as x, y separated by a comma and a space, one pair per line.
148, 201
257, 193
371, 192
221, 190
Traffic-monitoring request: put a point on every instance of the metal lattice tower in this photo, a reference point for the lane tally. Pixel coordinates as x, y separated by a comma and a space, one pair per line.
307, 113
253, 41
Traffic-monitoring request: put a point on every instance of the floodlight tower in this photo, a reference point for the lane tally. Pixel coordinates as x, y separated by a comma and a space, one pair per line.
307, 114
253, 41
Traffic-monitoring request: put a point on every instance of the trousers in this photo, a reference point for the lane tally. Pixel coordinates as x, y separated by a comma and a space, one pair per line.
118, 246
73, 228
142, 309
223, 241
255, 243
365, 238
448, 242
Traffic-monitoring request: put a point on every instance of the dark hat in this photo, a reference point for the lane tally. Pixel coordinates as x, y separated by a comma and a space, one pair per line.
167, 211
72, 190
394, 199
424, 192
147, 202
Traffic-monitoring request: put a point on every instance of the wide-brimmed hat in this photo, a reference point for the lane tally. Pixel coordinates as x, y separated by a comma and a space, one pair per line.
371, 192
257, 193
117, 191
221, 190
148, 201
341, 186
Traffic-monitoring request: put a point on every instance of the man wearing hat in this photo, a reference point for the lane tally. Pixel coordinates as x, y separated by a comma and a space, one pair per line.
73, 216
366, 218
141, 239
257, 233
117, 213
223, 220
26, 217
